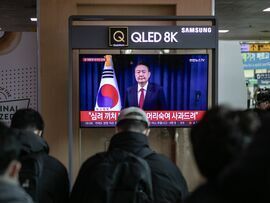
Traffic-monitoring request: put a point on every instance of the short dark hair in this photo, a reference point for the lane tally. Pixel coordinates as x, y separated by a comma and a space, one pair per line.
143, 63
27, 118
132, 125
9, 147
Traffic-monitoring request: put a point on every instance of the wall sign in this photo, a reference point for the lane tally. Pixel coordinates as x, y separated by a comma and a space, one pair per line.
19, 77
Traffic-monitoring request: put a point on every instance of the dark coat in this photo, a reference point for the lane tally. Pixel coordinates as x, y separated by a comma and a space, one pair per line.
206, 193
54, 184
246, 179
169, 184
154, 98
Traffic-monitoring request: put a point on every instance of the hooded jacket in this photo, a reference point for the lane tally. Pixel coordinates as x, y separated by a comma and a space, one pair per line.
168, 182
54, 184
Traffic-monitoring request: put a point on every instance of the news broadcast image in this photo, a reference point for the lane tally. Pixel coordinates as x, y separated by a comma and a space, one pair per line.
104, 80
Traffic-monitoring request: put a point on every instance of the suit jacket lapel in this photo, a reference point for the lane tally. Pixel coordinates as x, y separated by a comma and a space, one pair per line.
148, 95
135, 98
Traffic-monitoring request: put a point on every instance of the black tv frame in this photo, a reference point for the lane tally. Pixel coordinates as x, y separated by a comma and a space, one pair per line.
71, 47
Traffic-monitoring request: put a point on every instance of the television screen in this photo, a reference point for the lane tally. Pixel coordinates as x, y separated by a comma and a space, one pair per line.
175, 92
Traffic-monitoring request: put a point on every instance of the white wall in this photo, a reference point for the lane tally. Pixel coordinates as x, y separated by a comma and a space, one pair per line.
18, 75
231, 82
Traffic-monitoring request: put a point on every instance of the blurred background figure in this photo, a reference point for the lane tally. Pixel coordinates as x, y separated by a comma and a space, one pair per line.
262, 100
219, 139
248, 96
247, 179
10, 190
52, 185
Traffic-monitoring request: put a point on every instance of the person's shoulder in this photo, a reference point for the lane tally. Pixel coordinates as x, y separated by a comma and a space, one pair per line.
13, 193
155, 86
93, 161
151, 84
53, 163
161, 162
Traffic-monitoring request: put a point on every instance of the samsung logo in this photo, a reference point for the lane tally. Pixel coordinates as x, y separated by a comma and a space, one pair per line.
196, 30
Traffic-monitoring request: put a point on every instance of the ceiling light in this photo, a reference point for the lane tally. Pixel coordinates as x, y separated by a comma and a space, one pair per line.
166, 51
128, 51
266, 10
33, 19
223, 31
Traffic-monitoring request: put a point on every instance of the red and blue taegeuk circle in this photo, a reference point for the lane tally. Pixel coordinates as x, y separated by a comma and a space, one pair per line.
107, 96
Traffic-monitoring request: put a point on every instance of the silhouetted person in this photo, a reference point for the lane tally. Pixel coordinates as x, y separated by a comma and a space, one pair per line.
218, 140
132, 129
54, 184
247, 179
10, 190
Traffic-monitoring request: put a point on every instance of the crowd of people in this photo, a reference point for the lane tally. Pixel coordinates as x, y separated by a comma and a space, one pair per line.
231, 149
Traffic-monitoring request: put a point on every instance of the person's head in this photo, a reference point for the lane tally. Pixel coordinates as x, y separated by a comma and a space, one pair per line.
263, 99
28, 119
9, 152
133, 119
218, 139
142, 74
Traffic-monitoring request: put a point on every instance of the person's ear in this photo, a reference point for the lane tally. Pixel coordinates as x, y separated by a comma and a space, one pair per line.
14, 169
147, 131
38, 132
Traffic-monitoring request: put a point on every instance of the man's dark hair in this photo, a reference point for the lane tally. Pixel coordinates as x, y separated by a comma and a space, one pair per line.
27, 118
9, 147
132, 125
143, 63
217, 140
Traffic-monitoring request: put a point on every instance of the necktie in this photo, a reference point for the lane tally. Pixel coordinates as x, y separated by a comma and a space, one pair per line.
141, 100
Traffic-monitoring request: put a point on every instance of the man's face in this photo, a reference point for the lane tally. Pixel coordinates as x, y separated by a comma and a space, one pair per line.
142, 74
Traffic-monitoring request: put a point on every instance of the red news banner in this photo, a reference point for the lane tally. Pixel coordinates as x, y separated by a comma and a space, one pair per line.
153, 116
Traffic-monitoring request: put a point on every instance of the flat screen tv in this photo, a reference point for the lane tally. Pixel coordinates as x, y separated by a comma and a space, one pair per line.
105, 79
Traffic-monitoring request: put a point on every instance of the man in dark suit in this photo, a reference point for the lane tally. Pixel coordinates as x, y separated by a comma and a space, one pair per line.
145, 95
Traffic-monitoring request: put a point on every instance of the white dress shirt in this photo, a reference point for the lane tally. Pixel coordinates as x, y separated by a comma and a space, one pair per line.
139, 92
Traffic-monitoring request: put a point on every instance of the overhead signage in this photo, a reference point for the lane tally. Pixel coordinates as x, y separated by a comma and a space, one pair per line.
264, 76
255, 47
153, 37
144, 37
260, 60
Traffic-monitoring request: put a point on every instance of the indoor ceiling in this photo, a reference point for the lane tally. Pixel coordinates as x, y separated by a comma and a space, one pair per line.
244, 18
15, 15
